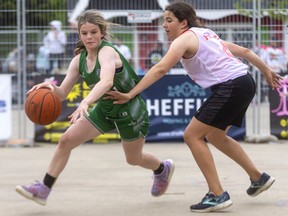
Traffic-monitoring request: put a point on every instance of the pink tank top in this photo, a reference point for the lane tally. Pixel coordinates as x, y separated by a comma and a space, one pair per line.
213, 62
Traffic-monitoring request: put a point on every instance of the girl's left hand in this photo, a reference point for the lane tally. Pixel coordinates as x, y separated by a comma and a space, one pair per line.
79, 112
274, 80
118, 97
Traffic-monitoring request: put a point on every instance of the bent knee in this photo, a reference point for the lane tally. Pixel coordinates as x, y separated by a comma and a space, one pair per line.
64, 141
190, 137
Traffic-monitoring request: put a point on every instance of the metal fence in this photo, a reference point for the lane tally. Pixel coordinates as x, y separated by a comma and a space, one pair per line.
258, 25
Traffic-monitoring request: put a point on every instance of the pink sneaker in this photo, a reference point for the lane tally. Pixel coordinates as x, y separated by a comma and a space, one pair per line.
161, 181
36, 191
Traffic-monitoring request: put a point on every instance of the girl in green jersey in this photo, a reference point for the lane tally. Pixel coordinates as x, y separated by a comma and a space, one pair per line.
103, 68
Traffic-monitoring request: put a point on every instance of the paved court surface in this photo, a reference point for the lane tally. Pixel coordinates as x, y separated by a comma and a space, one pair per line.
97, 181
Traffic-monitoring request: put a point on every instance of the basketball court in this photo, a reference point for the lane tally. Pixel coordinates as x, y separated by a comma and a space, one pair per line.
97, 181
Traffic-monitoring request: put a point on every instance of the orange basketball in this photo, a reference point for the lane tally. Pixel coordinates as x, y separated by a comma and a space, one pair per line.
43, 106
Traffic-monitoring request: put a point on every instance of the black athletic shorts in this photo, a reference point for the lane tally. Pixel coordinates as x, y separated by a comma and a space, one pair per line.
227, 103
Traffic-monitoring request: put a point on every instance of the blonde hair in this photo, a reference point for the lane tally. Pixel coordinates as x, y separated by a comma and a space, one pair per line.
96, 18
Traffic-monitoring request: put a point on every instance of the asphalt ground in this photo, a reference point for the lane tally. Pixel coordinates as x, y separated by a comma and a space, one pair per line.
98, 181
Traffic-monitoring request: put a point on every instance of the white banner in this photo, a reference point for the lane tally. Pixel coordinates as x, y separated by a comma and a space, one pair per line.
5, 107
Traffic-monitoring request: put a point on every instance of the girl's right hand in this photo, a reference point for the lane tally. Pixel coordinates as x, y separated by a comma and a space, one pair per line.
41, 85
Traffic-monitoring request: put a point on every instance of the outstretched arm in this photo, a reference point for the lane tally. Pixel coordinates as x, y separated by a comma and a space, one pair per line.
154, 74
271, 77
171, 58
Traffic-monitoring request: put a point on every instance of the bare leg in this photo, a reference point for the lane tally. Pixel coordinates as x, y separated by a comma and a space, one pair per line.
194, 136
136, 157
78, 133
233, 149
75, 135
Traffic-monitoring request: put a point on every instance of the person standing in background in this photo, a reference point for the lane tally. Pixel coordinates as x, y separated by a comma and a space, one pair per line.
277, 56
55, 41
125, 50
42, 60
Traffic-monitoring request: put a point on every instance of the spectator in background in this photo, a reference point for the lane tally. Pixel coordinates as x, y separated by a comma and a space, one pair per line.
277, 57
125, 50
42, 60
155, 55
31, 63
261, 50
10, 63
55, 41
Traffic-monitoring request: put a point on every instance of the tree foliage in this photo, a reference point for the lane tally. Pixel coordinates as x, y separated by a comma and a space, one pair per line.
277, 10
37, 13
8, 14
40, 13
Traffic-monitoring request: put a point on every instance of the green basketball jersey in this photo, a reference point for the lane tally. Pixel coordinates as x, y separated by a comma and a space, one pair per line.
124, 81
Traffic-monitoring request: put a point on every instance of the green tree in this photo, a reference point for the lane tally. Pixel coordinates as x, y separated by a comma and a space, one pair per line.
8, 14
38, 13
277, 10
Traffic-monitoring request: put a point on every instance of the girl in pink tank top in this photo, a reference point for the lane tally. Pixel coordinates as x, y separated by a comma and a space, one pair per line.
210, 62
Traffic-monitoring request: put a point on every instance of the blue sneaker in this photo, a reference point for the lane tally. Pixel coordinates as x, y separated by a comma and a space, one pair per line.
212, 203
161, 181
36, 191
261, 185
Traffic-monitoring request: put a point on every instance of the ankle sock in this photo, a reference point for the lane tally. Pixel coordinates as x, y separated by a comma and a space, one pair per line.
49, 180
159, 169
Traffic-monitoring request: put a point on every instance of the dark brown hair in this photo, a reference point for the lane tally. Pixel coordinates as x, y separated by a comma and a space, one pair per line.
182, 11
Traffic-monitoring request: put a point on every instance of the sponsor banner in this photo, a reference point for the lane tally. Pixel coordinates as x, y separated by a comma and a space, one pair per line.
279, 110
5, 107
139, 16
171, 104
